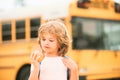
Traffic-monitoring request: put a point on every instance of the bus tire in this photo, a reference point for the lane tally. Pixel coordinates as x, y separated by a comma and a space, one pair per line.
23, 73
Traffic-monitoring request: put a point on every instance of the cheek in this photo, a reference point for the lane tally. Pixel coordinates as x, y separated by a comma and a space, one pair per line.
42, 43
57, 45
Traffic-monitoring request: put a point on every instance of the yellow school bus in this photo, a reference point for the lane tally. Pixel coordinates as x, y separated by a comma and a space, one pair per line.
95, 32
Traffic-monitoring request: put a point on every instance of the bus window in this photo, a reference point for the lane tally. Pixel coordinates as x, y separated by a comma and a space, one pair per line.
20, 29
86, 34
34, 24
112, 35
6, 31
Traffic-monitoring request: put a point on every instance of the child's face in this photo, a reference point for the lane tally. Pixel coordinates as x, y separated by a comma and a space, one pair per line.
49, 44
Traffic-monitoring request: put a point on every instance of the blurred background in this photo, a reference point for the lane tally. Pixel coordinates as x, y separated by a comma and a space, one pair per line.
93, 25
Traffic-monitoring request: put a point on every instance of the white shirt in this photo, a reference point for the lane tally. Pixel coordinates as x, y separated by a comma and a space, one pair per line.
52, 68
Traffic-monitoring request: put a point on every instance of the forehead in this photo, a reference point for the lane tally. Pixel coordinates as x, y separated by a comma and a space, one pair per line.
48, 35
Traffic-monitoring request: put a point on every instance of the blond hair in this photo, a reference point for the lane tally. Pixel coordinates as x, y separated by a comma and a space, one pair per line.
57, 28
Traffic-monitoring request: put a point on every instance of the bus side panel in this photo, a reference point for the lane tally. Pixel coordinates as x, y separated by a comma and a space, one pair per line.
9, 69
99, 64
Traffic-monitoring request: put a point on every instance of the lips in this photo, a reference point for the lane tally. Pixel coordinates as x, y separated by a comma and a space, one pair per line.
46, 47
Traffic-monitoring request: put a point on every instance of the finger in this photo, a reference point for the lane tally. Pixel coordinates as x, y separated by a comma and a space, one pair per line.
32, 58
65, 62
31, 55
35, 56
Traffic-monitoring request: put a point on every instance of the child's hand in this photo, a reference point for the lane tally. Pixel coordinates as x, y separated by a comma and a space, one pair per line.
69, 63
72, 66
36, 57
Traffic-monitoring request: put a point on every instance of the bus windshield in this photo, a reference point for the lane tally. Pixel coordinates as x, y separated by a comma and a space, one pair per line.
95, 34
